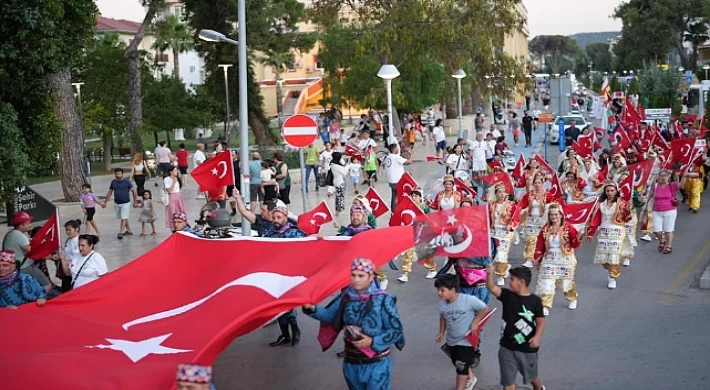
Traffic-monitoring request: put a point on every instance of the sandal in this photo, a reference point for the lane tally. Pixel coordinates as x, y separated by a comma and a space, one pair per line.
661, 246
141, 235
668, 250
152, 234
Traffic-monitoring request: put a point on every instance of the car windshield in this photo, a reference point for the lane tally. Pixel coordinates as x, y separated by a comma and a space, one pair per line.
568, 119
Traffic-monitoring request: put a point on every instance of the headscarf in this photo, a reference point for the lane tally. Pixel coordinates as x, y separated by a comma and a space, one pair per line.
180, 217
7, 256
280, 208
362, 264
193, 373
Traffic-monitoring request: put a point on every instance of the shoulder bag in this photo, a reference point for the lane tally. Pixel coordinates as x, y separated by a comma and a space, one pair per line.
80, 269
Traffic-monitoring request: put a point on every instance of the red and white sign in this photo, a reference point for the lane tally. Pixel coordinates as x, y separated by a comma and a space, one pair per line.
299, 131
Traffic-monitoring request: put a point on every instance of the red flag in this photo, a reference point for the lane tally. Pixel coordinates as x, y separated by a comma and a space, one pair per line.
475, 336
622, 138
545, 165
464, 189
678, 129
406, 212
599, 132
377, 204
121, 332
578, 213
433, 158
46, 240
586, 144
643, 145
664, 158
555, 188
457, 232
641, 172
311, 221
500, 177
405, 185
519, 168
215, 173
660, 142
682, 150
626, 188
629, 115
352, 152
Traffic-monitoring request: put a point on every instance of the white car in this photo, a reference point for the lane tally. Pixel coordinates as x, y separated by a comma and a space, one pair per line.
553, 134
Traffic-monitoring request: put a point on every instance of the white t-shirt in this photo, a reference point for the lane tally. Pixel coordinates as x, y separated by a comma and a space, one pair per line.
355, 169
366, 143
394, 165
490, 148
325, 158
479, 150
95, 267
439, 134
199, 157
456, 161
265, 175
168, 181
339, 173
71, 250
164, 155
496, 134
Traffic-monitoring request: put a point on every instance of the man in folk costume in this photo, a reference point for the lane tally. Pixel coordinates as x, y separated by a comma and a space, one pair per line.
504, 219
637, 201
408, 255
532, 210
609, 217
371, 324
555, 259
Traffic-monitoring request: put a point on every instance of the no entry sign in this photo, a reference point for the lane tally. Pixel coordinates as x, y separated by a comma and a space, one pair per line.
299, 131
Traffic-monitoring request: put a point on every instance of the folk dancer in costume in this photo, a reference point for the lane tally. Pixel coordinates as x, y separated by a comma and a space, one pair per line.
609, 216
408, 256
593, 177
617, 162
693, 186
555, 259
531, 171
646, 215
361, 200
17, 288
504, 217
369, 318
638, 202
447, 198
573, 188
282, 228
532, 209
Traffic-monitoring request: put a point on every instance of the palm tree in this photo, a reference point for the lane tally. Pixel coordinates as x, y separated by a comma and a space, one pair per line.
279, 62
171, 34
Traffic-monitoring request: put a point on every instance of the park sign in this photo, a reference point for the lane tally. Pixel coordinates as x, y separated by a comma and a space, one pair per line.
299, 131
31, 202
663, 114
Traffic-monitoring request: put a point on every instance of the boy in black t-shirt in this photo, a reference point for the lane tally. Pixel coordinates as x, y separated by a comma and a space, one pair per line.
523, 327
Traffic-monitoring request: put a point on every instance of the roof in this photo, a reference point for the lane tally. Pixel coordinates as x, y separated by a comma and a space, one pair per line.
119, 25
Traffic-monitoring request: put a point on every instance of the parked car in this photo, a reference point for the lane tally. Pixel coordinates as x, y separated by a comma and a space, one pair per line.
553, 133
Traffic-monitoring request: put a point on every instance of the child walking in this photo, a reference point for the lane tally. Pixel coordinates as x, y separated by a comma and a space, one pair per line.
355, 168
459, 314
88, 202
147, 213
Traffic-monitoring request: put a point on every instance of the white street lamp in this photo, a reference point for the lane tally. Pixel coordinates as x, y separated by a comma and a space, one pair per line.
458, 75
388, 73
279, 97
87, 165
214, 36
706, 67
226, 67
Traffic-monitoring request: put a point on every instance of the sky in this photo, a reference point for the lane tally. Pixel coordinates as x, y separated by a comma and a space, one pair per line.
545, 17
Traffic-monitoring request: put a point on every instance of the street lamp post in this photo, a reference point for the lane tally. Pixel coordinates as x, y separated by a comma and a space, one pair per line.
84, 158
226, 67
388, 73
279, 98
706, 67
214, 36
489, 79
459, 75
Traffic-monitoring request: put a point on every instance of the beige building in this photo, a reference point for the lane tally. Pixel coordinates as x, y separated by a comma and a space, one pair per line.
516, 46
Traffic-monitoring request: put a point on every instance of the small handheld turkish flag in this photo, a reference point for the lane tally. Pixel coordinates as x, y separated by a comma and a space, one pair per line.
405, 185
46, 240
311, 221
433, 158
682, 150
464, 189
215, 173
578, 213
406, 212
519, 168
475, 336
377, 204
626, 188
544, 164
641, 172
555, 188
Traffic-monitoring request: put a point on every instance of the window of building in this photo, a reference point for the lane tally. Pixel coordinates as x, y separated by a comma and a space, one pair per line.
179, 11
192, 69
317, 64
161, 56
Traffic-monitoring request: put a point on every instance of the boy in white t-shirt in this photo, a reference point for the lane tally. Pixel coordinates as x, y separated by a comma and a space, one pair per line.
355, 168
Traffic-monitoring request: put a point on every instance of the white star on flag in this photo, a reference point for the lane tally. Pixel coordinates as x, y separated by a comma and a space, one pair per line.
214, 171
137, 350
451, 220
568, 216
313, 222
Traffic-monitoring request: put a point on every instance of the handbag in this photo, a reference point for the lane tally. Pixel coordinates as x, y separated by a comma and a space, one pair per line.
164, 197
71, 287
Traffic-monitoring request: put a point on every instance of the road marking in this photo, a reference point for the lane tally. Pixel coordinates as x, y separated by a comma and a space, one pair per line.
674, 287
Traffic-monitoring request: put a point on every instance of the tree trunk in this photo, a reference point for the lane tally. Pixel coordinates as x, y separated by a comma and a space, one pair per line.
155, 137
176, 63
261, 131
134, 80
107, 138
167, 139
71, 158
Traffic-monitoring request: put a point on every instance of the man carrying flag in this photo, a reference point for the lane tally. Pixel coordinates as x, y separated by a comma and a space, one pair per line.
18, 242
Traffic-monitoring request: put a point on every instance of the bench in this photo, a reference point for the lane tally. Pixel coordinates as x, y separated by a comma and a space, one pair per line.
121, 152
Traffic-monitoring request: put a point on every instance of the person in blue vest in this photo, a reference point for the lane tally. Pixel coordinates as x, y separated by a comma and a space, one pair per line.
282, 228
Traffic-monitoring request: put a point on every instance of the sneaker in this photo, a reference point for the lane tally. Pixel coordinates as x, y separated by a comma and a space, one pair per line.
431, 275
200, 196
119, 236
572, 305
404, 278
646, 238
471, 383
627, 262
127, 233
500, 281
383, 284
545, 311
612, 283
516, 238
528, 264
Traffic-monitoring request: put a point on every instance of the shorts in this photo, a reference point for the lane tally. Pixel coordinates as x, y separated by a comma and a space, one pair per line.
371, 175
441, 146
36, 273
230, 189
664, 221
122, 210
461, 358
355, 180
183, 170
513, 362
90, 211
255, 193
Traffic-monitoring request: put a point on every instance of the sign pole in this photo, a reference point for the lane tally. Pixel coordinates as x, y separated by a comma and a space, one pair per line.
303, 178
561, 137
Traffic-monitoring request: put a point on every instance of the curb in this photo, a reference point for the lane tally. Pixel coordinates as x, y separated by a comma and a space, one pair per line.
705, 279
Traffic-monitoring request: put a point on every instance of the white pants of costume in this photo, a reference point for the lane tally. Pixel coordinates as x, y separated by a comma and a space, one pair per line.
505, 238
610, 240
630, 243
556, 270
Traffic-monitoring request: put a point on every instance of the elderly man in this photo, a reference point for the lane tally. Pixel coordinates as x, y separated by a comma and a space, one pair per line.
180, 224
17, 288
479, 147
282, 228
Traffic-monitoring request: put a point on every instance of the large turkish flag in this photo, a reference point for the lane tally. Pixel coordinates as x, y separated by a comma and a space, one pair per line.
182, 302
